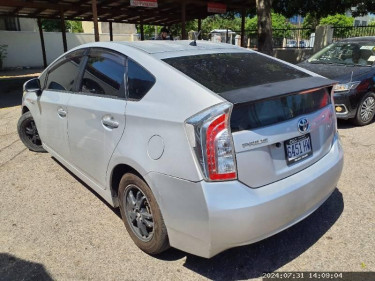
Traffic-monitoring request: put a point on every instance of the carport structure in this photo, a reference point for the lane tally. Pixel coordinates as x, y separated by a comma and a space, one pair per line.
150, 12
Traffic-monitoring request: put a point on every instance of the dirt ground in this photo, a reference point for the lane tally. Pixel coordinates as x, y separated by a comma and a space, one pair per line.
54, 227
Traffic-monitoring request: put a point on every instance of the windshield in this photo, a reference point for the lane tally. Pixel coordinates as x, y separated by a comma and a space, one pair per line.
229, 71
346, 53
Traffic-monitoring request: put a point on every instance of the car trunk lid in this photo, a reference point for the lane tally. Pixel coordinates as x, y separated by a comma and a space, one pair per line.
277, 135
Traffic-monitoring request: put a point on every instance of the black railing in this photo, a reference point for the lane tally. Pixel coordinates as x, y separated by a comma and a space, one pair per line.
342, 32
282, 38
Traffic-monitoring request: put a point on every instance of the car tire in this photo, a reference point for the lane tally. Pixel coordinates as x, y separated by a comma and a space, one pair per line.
28, 133
365, 110
141, 215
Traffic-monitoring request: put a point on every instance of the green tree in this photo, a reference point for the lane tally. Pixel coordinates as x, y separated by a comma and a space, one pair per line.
279, 22
55, 25
337, 20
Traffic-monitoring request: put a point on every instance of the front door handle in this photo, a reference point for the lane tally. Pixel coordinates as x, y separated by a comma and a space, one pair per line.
61, 112
109, 122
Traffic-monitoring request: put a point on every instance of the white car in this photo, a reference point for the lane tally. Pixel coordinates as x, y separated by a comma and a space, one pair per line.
203, 146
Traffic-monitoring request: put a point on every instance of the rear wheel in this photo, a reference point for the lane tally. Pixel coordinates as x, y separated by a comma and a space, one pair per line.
28, 133
365, 110
141, 215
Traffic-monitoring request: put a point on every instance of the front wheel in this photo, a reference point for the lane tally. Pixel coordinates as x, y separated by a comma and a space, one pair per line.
28, 133
141, 215
365, 110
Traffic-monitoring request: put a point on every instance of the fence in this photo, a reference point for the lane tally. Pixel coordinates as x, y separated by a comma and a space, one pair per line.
342, 32
282, 38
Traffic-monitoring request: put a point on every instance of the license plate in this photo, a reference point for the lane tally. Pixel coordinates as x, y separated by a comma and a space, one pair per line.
297, 149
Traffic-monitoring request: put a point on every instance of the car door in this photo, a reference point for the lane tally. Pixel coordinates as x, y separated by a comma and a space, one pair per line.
96, 119
59, 87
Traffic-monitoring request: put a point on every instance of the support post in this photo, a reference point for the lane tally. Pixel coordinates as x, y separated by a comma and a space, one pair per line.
142, 31
42, 42
200, 28
243, 16
110, 31
63, 30
95, 19
183, 20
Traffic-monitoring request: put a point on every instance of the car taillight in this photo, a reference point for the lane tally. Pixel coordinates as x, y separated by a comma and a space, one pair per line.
210, 136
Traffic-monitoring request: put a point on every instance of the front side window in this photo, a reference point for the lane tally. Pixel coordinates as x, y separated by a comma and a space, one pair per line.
140, 81
63, 74
104, 74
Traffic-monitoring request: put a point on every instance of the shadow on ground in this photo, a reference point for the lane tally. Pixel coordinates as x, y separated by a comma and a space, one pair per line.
347, 124
265, 256
13, 268
11, 92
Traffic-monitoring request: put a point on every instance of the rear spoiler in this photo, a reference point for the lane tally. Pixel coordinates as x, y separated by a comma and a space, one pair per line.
267, 91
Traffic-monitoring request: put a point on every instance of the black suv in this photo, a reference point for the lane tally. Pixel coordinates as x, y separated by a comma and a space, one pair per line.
351, 63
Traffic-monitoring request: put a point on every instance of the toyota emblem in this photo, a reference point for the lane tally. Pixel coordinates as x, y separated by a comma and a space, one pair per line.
303, 125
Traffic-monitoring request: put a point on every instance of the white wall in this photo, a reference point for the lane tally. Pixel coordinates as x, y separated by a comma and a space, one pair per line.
24, 47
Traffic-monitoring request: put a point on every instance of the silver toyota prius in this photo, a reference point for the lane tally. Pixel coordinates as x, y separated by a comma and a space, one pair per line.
202, 146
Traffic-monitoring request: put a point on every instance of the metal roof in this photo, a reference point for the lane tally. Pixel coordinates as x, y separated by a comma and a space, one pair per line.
168, 11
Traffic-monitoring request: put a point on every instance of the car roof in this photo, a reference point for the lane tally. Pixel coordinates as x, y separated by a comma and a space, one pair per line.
359, 39
163, 46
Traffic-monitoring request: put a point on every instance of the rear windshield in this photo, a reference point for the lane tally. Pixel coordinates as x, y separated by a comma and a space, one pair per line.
247, 116
230, 71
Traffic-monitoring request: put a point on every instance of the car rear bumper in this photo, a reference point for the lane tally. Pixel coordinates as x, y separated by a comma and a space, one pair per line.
205, 218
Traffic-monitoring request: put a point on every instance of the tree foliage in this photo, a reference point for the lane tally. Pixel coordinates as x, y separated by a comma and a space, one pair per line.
337, 20
278, 22
55, 25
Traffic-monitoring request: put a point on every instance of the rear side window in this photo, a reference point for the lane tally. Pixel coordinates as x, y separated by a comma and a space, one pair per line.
247, 116
230, 71
140, 81
104, 74
63, 75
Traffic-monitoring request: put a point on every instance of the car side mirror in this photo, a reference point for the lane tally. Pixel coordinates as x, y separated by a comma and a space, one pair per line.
33, 85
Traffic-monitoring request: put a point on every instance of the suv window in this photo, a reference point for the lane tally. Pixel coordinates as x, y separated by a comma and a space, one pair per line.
224, 72
104, 74
64, 73
140, 81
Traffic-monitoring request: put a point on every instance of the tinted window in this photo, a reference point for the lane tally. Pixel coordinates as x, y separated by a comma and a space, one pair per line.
226, 72
63, 75
104, 74
140, 81
248, 116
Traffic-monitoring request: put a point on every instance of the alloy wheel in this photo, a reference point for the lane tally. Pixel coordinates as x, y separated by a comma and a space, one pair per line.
367, 109
138, 213
32, 133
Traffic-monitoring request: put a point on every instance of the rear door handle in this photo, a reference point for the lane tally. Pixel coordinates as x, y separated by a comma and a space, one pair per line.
109, 122
61, 112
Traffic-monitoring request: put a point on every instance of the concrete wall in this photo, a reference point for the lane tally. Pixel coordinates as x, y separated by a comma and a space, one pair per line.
28, 24
292, 55
24, 48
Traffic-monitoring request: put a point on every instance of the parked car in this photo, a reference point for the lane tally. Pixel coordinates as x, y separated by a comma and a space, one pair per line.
202, 148
351, 62
291, 44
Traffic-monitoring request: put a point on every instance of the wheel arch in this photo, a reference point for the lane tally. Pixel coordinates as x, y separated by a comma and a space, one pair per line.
117, 172
25, 109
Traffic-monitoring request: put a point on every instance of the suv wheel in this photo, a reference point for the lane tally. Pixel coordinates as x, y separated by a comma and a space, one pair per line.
141, 215
28, 133
365, 110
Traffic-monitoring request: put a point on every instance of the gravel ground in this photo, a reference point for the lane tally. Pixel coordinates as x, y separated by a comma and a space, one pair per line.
53, 227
